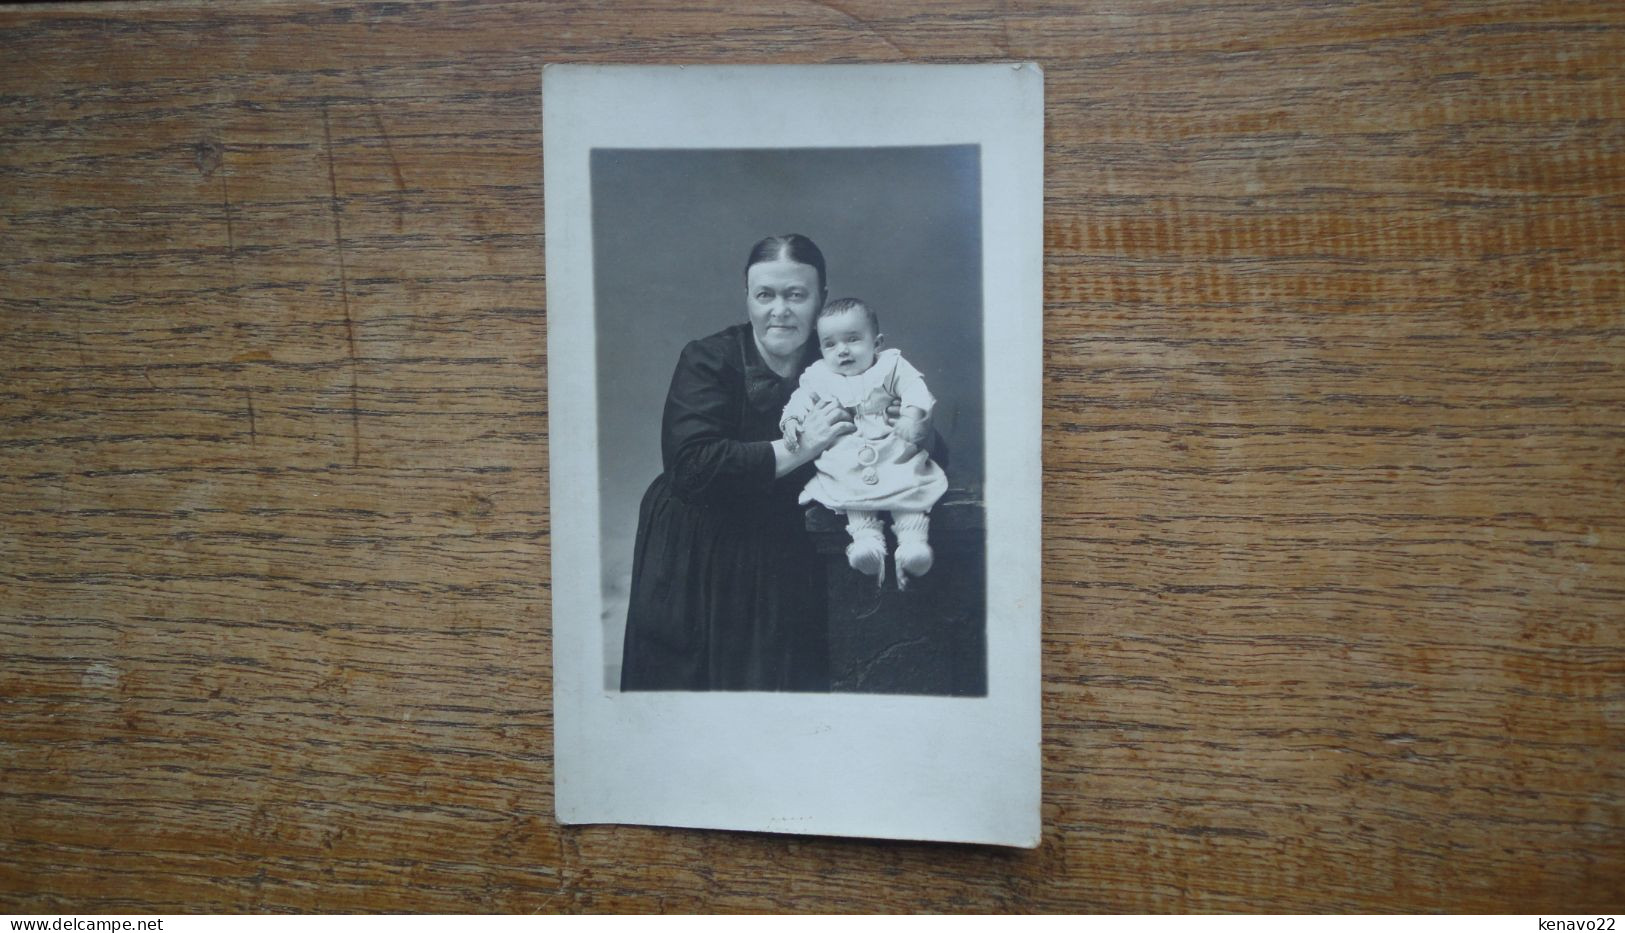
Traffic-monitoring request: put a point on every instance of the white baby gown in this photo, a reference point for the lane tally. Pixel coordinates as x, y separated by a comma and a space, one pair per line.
870, 469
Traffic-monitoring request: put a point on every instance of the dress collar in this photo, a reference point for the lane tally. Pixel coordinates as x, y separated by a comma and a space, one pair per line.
764, 387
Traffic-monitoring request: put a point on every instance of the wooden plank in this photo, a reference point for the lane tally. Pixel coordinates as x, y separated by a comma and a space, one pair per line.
1335, 420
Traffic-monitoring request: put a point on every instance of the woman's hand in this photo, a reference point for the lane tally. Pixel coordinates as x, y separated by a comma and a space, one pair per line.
827, 423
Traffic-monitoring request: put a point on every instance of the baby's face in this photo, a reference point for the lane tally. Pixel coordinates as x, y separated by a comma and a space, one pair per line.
848, 342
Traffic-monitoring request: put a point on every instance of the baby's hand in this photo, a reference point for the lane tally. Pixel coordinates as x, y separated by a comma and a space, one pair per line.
792, 432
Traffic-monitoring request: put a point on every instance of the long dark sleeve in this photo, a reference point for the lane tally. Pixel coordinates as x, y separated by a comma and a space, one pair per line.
699, 440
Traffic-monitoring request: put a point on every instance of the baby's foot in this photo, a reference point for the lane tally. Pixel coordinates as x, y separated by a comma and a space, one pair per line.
867, 552
867, 555
913, 557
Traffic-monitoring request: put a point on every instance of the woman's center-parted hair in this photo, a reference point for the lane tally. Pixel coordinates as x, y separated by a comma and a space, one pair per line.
843, 305
791, 246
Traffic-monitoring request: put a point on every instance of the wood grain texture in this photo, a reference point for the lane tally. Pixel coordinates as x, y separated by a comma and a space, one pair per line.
1335, 441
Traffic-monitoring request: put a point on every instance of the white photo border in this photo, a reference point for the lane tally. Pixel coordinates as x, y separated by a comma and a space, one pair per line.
958, 769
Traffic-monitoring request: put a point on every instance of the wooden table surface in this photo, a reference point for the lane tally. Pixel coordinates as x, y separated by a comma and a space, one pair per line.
1335, 442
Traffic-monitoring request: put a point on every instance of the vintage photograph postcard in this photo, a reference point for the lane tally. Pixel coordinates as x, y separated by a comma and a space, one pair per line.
794, 326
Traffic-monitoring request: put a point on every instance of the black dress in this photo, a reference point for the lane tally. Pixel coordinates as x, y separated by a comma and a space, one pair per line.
727, 592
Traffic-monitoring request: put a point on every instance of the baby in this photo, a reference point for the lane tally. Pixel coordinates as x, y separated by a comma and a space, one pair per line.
879, 467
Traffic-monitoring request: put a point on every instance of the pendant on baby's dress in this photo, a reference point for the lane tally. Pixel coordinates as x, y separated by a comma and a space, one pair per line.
867, 455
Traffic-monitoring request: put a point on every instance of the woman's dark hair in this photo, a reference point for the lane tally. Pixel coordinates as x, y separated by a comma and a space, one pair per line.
791, 246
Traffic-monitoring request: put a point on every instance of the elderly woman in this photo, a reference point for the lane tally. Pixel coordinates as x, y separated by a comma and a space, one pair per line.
727, 593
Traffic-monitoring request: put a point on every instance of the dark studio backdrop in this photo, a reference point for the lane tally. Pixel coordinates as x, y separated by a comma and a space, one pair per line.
899, 228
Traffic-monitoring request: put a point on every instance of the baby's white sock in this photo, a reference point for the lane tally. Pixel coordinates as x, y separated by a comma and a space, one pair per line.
914, 556
867, 552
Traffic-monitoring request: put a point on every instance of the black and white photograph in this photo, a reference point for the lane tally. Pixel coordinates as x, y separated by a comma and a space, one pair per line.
792, 455
794, 370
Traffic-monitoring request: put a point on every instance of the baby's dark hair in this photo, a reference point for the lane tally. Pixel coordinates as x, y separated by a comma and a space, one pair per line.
843, 305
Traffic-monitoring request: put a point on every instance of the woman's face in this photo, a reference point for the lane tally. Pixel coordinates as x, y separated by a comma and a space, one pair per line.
783, 297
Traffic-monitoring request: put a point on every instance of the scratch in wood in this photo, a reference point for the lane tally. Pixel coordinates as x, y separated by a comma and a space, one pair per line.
389, 145
389, 149
253, 435
79, 340
394, 164
231, 240
564, 871
148, 376
867, 27
344, 290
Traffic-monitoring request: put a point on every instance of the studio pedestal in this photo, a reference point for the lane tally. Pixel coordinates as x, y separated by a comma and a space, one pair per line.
929, 639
